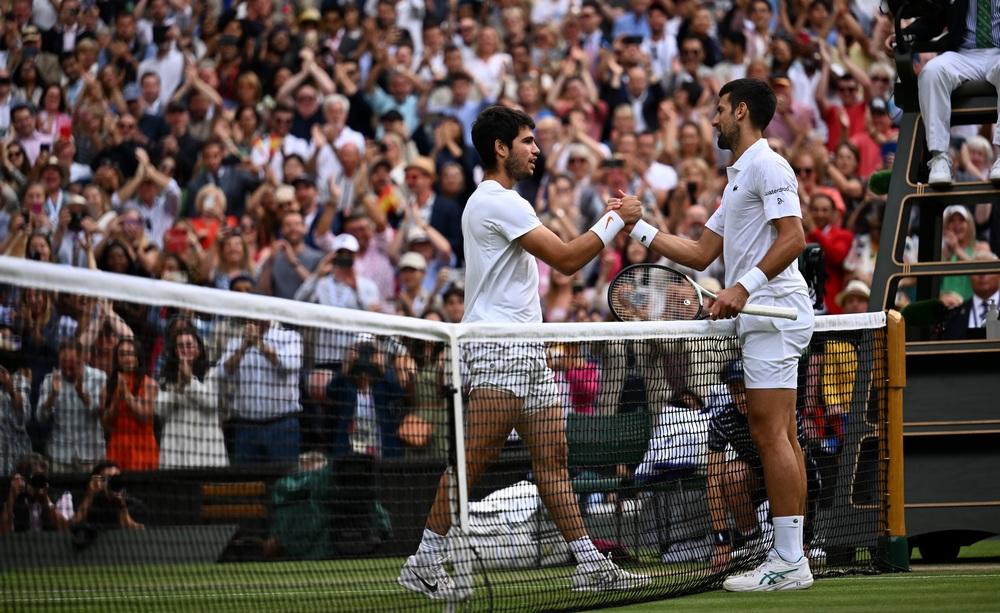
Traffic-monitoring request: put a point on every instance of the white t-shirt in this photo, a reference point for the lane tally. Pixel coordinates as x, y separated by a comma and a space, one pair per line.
761, 188
501, 278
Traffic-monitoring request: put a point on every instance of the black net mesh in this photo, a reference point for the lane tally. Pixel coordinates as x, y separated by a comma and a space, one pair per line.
278, 465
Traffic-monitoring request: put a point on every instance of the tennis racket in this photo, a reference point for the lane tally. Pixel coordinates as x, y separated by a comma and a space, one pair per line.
651, 292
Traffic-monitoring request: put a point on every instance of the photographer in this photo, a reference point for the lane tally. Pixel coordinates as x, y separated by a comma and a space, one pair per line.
105, 504
367, 404
28, 507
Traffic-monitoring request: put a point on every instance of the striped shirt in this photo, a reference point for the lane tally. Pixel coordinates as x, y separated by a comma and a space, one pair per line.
728, 426
969, 42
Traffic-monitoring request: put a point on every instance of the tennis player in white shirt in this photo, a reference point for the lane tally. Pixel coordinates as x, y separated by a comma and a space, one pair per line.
758, 231
512, 386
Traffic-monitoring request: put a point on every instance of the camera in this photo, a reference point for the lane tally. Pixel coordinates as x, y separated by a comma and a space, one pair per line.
39, 481
75, 222
365, 363
114, 484
811, 267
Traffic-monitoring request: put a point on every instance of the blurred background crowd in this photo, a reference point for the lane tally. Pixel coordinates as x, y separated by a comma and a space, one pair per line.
320, 150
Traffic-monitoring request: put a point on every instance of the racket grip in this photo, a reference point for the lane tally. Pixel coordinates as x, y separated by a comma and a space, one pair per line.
770, 311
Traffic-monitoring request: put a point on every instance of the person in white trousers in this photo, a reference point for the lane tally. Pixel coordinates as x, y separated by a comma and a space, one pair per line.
975, 56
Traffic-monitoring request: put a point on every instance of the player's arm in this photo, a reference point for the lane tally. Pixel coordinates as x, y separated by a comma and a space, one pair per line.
693, 254
567, 258
570, 257
787, 246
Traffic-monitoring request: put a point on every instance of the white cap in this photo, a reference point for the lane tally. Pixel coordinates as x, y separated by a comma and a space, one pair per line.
345, 241
957, 209
412, 259
854, 288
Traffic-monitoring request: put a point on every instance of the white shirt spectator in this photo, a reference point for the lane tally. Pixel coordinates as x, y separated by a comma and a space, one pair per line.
77, 435
660, 177
192, 434
160, 216
269, 151
170, 68
261, 390
330, 345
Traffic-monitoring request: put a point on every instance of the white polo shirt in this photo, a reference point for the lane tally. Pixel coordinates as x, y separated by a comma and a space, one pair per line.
761, 188
501, 278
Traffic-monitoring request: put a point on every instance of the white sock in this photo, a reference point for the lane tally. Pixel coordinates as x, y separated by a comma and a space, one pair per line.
788, 537
432, 543
584, 551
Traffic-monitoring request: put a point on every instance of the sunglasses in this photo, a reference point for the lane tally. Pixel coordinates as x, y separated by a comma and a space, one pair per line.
803, 170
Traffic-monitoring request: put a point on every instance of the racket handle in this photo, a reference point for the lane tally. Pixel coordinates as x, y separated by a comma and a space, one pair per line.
771, 311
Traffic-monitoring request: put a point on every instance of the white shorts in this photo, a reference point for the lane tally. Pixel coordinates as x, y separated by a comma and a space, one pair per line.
521, 370
772, 346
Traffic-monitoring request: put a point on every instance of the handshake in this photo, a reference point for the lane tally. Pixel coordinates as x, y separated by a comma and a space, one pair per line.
628, 207
623, 213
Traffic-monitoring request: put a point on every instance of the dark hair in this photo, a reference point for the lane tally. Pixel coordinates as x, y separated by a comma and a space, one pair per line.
71, 344
172, 363
102, 466
497, 123
453, 290
30, 463
737, 37
757, 95
140, 368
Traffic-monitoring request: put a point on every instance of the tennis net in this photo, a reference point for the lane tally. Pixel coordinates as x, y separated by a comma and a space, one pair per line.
281, 454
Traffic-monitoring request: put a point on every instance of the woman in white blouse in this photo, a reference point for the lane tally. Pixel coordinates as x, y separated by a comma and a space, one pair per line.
188, 404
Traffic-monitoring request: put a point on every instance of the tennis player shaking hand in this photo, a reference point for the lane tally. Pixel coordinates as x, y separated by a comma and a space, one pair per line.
758, 231
512, 385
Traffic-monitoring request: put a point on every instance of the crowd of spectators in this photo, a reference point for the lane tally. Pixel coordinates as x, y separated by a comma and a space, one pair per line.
320, 151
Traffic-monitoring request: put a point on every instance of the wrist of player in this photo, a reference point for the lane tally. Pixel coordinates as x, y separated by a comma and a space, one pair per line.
753, 280
608, 227
644, 233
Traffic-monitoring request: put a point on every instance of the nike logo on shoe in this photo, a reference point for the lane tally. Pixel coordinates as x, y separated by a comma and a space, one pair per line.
431, 587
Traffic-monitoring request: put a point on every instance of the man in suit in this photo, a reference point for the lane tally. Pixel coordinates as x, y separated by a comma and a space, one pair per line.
235, 182
443, 214
973, 41
969, 320
644, 98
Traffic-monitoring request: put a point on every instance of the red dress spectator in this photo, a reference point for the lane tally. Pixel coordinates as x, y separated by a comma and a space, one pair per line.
822, 226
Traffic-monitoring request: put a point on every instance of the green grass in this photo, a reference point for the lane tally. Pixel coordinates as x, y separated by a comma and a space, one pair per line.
924, 590
970, 585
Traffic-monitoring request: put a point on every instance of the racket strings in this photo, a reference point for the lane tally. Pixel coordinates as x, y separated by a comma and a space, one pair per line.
654, 294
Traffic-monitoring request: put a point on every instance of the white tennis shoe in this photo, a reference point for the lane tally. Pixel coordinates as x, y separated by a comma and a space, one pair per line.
606, 576
425, 574
940, 170
774, 574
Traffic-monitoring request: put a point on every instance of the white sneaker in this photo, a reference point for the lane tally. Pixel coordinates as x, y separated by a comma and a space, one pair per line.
940, 167
425, 574
774, 574
995, 171
605, 576
691, 550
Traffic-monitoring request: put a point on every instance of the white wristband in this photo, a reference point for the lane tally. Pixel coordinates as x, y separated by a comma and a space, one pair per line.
608, 227
753, 280
643, 232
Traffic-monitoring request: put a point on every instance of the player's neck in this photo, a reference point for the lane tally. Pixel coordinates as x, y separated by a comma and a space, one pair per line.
747, 139
500, 177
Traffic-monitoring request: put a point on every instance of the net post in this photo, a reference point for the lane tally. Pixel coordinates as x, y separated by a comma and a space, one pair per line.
461, 556
894, 547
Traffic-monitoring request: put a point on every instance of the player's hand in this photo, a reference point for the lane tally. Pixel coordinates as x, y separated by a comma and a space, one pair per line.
631, 208
721, 556
729, 302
